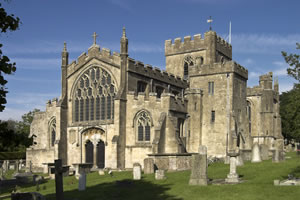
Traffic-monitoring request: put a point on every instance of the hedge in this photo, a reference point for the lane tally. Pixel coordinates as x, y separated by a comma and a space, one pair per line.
12, 155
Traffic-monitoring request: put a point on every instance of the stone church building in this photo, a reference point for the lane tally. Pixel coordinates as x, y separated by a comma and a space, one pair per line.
115, 111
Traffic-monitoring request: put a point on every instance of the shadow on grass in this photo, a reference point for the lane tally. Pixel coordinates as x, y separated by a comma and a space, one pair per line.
296, 172
124, 189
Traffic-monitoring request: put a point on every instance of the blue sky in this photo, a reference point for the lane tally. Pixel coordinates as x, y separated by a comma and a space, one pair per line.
261, 29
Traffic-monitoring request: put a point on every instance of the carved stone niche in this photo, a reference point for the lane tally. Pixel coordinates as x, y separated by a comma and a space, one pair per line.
72, 136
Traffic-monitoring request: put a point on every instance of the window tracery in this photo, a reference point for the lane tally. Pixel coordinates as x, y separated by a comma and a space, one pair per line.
94, 96
188, 61
143, 127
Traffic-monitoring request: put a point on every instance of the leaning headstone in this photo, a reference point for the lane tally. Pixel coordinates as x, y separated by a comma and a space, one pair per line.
148, 166
264, 152
27, 196
137, 171
199, 167
160, 174
255, 153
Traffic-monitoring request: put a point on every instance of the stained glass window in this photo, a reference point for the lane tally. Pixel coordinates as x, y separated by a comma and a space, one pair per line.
94, 96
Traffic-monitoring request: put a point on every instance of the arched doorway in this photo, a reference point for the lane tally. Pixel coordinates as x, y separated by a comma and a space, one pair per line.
101, 154
89, 152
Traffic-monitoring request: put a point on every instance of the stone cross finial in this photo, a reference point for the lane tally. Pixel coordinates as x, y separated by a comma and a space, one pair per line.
65, 47
95, 36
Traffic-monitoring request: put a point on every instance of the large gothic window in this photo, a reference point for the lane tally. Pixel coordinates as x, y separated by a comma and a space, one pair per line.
143, 127
94, 96
188, 61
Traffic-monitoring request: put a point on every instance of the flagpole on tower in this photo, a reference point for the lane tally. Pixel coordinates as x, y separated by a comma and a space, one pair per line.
230, 32
210, 21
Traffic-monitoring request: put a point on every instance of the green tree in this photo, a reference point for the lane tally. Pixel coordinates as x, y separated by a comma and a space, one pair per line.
290, 100
8, 22
294, 62
14, 135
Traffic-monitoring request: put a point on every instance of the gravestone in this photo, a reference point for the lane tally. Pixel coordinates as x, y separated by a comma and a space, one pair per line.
148, 166
82, 169
101, 172
5, 166
239, 161
137, 171
275, 158
160, 174
264, 152
232, 177
255, 153
17, 165
199, 167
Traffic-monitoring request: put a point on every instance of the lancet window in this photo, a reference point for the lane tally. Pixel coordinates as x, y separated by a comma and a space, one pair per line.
188, 61
94, 96
52, 132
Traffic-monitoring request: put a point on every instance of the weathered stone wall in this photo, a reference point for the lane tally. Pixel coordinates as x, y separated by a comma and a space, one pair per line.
265, 117
136, 151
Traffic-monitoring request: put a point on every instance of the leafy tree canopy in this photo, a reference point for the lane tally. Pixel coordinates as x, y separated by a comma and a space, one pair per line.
294, 62
14, 134
8, 22
290, 100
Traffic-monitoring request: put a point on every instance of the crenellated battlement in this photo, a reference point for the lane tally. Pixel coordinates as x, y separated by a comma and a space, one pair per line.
167, 101
52, 103
219, 68
197, 43
138, 67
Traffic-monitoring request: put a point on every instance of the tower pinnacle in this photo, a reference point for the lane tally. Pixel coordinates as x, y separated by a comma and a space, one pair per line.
124, 32
65, 47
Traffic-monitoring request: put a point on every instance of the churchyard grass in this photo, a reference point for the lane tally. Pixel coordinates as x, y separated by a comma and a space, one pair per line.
258, 184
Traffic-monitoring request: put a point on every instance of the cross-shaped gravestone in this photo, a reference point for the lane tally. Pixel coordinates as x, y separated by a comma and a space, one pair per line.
95, 36
59, 170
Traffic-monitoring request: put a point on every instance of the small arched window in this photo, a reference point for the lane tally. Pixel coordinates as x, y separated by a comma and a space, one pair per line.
249, 115
143, 123
188, 61
52, 132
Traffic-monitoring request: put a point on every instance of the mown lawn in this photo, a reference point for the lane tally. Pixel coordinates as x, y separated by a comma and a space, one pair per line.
258, 184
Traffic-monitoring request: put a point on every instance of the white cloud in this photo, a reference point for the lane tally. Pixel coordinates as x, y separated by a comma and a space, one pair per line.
124, 4
34, 80
12, 113
263, 43
37, 63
